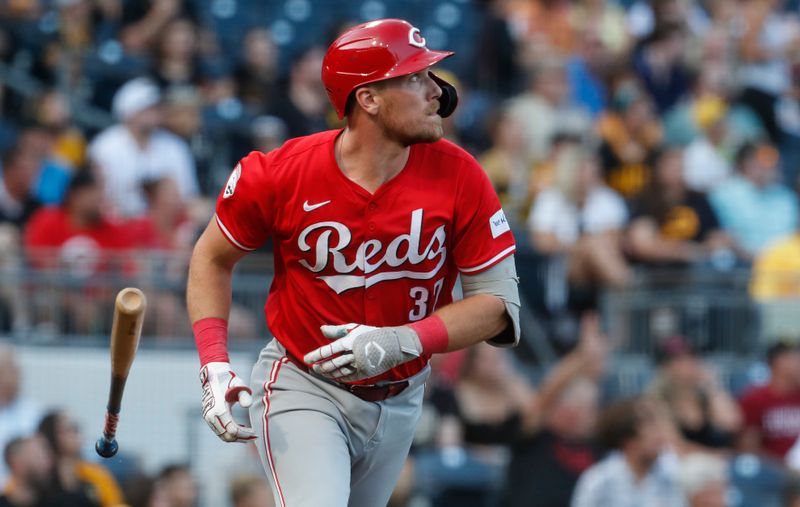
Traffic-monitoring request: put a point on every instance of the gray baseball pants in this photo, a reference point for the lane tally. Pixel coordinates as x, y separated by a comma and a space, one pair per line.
322, 446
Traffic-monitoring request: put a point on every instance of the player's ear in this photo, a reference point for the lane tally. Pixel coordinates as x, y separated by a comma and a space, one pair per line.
369, 99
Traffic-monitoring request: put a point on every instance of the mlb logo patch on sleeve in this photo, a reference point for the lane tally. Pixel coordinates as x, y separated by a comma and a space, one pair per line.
498, 223
230, 186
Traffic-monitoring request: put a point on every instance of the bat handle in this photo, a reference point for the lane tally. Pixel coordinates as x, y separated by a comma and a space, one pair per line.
106, 445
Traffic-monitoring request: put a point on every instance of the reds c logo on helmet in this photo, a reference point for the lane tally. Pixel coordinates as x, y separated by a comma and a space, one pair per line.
415, 38
380, 50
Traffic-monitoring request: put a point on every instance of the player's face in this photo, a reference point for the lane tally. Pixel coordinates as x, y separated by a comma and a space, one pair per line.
408, 113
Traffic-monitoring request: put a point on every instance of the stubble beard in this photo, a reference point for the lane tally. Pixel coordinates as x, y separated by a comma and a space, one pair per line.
407, 133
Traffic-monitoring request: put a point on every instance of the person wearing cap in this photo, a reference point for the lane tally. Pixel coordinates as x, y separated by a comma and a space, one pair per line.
772, 411
753, 206
371, 225
138, 149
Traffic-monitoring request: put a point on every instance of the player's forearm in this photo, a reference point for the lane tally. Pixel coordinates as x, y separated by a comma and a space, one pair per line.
473, 320
208, 291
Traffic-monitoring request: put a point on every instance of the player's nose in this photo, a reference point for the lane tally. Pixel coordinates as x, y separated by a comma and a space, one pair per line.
435, 90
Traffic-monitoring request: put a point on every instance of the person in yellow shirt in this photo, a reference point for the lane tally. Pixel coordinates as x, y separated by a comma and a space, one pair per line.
775, 286
776, 272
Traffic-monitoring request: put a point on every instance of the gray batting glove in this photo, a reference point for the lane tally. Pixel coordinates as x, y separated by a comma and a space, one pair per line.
361, 351
221, 389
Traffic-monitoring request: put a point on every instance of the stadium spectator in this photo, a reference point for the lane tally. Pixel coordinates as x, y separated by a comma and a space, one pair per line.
79, 239
671, 225
479, 416
143, 491
301, 101
84, 482
178, 486
659, 63
775, 286
547, 27
772, 411
787, 113
139, 149
31, 465
753, 207
182, 107
770, 39
256, 75
585, 71
555, 443
142, 22
250, 491
700, 408
605, 21
703, 478
19, 174
582, 219
267, 133
66, 147
18, 415
175, 55
630, 133
167, 234
705, 160
79, 231
165, 227
508, 167
776, 271
543, 109
641, 469
497, 69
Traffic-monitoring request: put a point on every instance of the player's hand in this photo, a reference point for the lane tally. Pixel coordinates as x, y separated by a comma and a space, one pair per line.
221, 389
361, 351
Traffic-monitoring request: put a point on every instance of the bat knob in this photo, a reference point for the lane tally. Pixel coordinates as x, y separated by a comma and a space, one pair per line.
106, 448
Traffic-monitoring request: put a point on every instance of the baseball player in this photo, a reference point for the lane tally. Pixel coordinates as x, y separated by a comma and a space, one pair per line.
371, 225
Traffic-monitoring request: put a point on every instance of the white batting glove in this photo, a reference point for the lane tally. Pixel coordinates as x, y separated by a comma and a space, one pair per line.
361, 351
221, 389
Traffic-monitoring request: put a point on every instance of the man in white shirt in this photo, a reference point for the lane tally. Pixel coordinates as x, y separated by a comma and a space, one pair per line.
138, 150
640, 471
582, 219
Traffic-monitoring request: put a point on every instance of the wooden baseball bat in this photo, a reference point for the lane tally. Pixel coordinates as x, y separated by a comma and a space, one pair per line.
126, 330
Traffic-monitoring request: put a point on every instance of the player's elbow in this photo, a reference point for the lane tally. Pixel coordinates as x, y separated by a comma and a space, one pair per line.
499, 283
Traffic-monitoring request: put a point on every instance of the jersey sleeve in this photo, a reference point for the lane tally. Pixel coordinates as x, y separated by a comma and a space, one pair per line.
245, 206
482, 233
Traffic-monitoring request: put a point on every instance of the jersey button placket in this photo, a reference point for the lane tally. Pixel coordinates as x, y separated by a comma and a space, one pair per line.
371, 227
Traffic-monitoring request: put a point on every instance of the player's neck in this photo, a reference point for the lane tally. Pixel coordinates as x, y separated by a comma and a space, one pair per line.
368, 158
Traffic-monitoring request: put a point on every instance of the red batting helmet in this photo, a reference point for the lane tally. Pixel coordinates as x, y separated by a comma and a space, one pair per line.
380, 50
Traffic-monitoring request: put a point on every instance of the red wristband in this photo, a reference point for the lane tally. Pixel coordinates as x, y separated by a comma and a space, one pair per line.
432, 334
211, 338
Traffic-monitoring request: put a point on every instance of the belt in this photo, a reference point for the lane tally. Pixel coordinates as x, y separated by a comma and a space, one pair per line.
371, 392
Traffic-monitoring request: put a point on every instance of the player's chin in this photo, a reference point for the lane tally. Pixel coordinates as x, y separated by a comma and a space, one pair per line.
431, 130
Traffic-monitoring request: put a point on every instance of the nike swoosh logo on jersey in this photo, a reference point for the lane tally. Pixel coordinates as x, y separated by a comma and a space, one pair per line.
312, 207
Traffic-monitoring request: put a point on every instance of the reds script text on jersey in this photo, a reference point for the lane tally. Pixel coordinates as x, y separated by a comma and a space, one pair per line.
345, 255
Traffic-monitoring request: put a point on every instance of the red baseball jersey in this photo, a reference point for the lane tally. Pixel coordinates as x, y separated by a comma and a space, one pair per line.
345, 255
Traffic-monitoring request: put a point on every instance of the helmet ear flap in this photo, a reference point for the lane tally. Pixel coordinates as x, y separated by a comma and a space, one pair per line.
449, 99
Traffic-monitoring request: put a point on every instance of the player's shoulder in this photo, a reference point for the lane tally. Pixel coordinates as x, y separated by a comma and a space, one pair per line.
298, 148
448, 150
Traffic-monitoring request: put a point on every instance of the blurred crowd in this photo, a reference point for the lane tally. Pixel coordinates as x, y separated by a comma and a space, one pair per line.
624, 137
